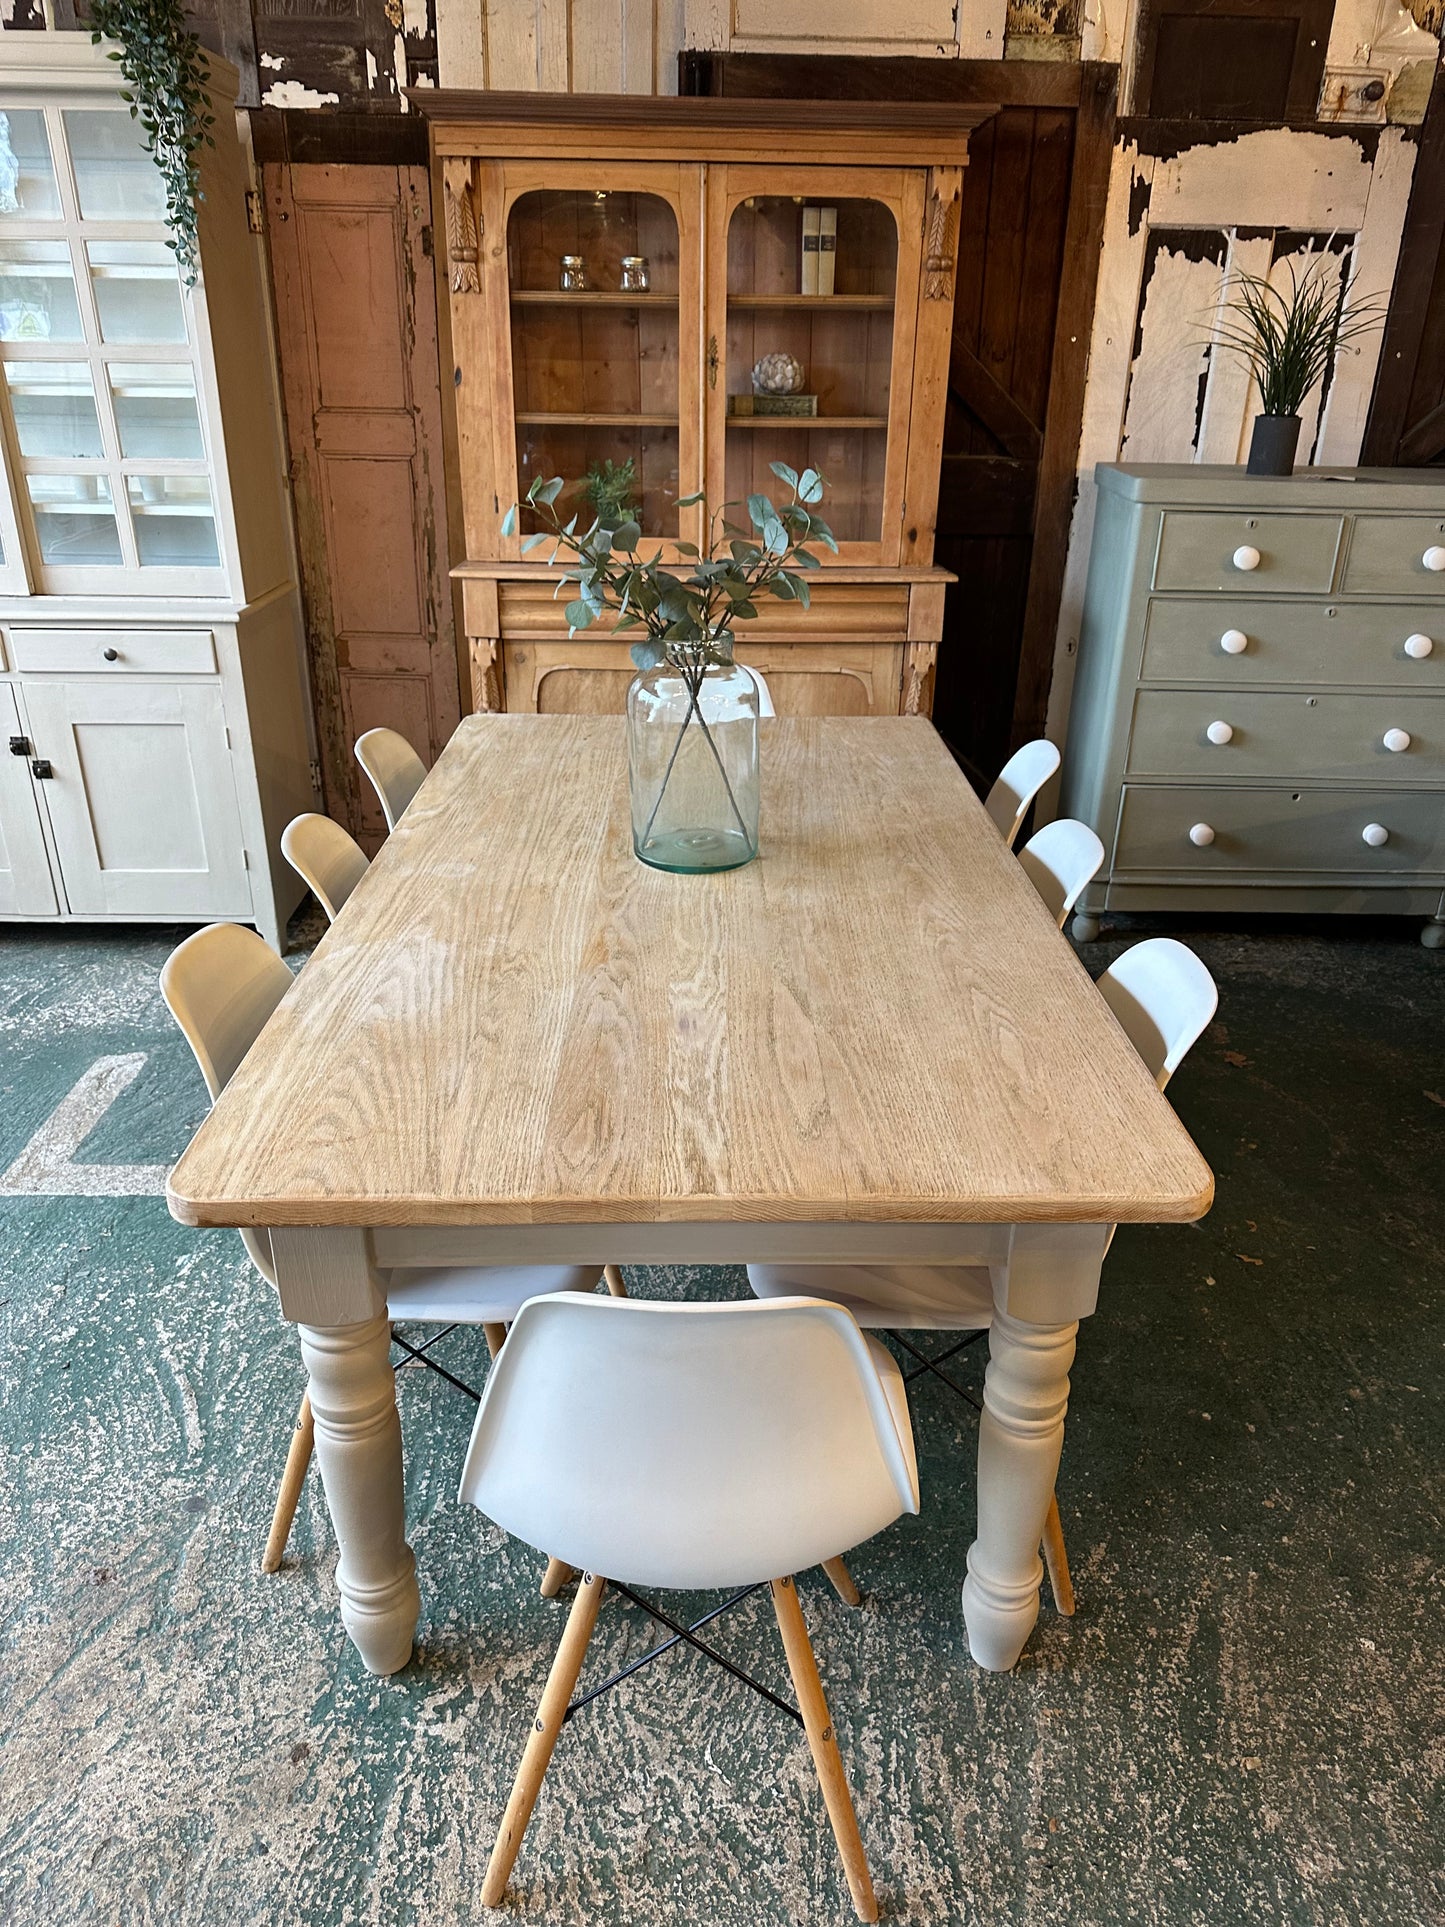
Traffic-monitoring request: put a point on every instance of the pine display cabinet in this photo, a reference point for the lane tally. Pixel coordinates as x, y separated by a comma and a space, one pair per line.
613, 270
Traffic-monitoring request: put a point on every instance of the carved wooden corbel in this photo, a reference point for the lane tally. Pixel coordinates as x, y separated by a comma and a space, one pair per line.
938, 259
486, 651
920, 665
464, 227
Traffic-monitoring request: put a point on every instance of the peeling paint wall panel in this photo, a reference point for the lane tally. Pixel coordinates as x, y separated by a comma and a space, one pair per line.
1182, 278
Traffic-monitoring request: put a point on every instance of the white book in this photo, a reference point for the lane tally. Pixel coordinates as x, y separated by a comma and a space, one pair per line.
827, 248
810, 250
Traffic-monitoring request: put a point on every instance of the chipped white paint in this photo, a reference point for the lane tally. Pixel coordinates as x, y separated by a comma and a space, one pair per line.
46, 1168
1176, 321
293, 93
274, 62
1377, 249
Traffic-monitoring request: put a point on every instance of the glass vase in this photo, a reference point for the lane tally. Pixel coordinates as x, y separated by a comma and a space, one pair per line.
692, 760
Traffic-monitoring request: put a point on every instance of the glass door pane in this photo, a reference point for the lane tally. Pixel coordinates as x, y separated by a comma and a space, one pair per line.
74, 519
155, 411
37, 292
116, 178
27, 173
137, 291
52, 404
810, 351
595, 361
174, 524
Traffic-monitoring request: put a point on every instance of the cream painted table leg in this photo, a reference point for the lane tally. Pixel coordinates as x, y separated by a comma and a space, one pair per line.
328, 1286
1051, 1280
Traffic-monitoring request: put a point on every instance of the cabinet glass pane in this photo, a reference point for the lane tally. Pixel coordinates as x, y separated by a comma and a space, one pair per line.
37, 292
155, 411
27, 174
115, 178
53, 406
74, 519
174, 526
137, 291
808, 373
595, 368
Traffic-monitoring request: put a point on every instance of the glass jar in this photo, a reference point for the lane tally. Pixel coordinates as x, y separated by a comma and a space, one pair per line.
635, 276
574, 274
692, 760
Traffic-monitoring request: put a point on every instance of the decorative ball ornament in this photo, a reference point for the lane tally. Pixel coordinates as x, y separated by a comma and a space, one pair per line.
778, 374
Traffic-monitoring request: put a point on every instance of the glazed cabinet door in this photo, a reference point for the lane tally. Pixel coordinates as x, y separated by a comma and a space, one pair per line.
577, 350
812, 339
140, 797
26, 886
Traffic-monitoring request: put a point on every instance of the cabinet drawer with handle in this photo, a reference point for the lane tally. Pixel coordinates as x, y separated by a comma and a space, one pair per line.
1396, 555
1258, 641
151, 652
1274, 554
1225, 735
1344, 832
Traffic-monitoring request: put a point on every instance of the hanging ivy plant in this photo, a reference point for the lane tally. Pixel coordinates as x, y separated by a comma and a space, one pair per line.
165, 73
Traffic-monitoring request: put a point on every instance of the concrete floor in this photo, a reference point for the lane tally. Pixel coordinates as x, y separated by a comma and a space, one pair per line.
1242, 1725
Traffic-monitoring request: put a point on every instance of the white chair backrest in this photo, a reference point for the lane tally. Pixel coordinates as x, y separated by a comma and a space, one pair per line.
744, 1441
326, 858
1061, 859
765, 695
395, 769
1163, 997
1017, 784
221, 985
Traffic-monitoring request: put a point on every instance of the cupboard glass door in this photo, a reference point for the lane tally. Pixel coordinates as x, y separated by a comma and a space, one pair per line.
811, 342
100, 396
602, 292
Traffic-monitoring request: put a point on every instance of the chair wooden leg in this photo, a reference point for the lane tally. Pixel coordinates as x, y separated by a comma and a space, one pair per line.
842, 1581
613, 1275
1057, 1560
496, 1337
556, 1697
819, 1728
303, 1441
556, 1576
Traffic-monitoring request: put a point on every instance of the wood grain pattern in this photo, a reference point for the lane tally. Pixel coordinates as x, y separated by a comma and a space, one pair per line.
514, 1022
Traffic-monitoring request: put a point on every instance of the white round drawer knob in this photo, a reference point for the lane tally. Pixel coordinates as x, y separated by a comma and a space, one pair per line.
1375, 834
1202, 835
1247, 558
1418, 647
1220, 733
1396, 740
1234, 642
1434, 559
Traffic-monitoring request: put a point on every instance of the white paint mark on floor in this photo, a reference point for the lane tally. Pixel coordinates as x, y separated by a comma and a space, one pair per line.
46, 1168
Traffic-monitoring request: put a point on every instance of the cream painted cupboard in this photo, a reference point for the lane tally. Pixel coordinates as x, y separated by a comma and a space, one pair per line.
152, 692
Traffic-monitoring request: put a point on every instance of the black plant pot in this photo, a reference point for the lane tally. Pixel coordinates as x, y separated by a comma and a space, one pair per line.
1273, 444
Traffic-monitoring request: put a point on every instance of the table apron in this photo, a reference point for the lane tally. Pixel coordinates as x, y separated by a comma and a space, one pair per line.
1043, 1273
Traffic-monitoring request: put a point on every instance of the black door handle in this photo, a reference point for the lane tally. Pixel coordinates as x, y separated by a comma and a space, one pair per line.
40, 766
111, 655
19, 745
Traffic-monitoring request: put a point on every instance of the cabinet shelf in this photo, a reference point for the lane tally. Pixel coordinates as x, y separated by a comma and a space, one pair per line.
626, 420
807, 421
589, 298
863, 303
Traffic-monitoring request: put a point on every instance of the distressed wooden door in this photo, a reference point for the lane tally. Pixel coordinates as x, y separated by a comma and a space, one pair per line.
356, 322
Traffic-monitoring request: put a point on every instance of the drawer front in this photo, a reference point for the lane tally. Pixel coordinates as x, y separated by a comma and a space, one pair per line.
1317, 831
804, 679
1305, 642
1296, 552
154, 652
1387, 555
863, 612
1340, 736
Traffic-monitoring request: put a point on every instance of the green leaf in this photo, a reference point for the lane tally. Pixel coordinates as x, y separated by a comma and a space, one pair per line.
647, 655
785, 474
801, 590
742, 612
761, 511
783, 589
546, 492
579, 615
535, 541
626, 537
690, 501
810, 486
688, 548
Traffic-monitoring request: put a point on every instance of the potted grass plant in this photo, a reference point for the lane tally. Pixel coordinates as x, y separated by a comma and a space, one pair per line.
1289, 340
692, 710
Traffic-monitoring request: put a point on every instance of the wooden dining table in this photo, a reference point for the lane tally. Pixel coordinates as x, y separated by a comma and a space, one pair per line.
518, 1044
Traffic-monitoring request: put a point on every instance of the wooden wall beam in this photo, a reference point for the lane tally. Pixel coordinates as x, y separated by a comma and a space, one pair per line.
1419, 288
994, 83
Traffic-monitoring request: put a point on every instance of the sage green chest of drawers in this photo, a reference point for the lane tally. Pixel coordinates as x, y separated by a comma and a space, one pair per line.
1258, 718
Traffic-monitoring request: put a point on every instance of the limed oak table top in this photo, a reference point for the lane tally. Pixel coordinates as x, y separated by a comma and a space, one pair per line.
513, 1021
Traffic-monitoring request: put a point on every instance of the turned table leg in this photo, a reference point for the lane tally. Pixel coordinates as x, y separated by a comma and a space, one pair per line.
1021, 1434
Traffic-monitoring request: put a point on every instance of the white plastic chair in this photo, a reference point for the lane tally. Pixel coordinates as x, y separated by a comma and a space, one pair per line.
395, 769
329, 861
221, 985
1017, 784
745, 1443
1163, 997
765, 695
1061, 860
